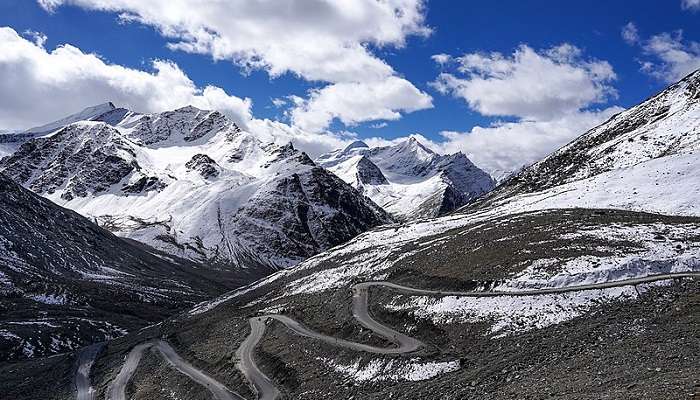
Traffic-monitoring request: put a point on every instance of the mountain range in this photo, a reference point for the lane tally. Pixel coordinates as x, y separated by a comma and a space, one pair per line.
409, 180
191, 183
577, 277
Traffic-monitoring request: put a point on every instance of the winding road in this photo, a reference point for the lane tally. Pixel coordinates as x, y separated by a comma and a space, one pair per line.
263, 385
117, 389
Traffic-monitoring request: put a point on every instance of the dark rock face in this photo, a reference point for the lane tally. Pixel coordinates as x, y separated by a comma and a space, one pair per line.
80, 283
368, 173
144, 184
203, 164
465, 182
84, 159
289, 152
186, 124
307, 212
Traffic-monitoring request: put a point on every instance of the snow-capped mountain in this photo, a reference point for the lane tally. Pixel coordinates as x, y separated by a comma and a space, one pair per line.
10, 141
645, 159
65, 282
191, 183
409, 180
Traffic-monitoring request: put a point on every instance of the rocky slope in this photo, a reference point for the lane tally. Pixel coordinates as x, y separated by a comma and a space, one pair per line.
644, 159
191, 183
620, 342
408, 179
64, 282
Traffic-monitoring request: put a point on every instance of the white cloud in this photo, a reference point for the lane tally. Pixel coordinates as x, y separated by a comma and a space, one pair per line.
314, 144
508, 146
279, 102
529, 84
317, 40
38, 37
40, 85
690, 4
441, 58
673, 57
355, 102
550, 93
630, 33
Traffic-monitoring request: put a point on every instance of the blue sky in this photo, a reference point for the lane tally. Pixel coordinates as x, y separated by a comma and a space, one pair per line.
593, 28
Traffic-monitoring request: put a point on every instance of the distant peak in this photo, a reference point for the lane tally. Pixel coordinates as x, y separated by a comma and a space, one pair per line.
414, 144
356, 145
87, 114
188, 108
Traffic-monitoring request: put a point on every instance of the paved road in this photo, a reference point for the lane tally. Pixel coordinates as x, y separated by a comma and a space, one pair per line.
86, 358
117, 389
263, 385
405, 344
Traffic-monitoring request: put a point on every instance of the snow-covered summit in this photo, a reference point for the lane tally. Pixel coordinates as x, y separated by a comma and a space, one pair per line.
89, 113
192, 183
408, 179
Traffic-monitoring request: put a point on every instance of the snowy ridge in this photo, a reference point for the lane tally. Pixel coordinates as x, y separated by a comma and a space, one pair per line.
643, 159
87, 114
191, 183
408, 179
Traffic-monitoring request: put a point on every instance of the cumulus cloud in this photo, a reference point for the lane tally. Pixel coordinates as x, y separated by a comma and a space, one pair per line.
355, 102
317, 40
529, 84
506, 147
40, 85
549, 93
313, 143
441, 59
670, 56
690, 4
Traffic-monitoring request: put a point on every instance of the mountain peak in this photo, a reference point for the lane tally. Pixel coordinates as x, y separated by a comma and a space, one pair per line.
86, 114
412, 151
188, 108
415, 145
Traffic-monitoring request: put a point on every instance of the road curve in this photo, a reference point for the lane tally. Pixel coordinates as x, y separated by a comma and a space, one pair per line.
266, 389
117, 389
263, 385
86, 358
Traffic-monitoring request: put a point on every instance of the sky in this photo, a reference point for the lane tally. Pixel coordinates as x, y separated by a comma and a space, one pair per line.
505, 82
